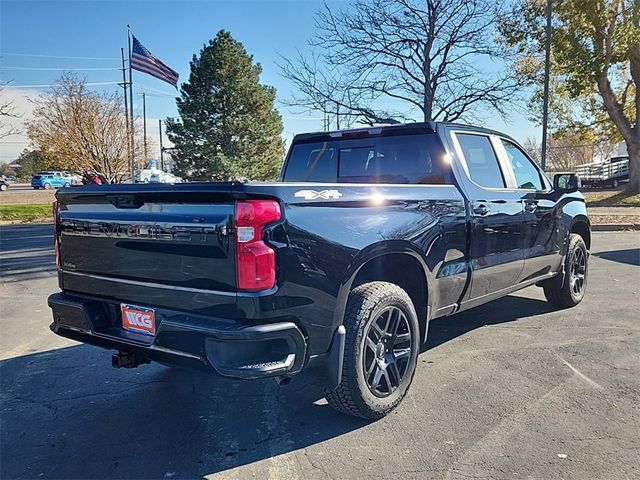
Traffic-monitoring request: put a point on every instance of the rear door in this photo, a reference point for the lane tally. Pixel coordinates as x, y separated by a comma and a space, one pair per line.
497, 213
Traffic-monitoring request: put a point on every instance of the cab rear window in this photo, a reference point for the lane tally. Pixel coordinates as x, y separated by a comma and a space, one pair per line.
401, 159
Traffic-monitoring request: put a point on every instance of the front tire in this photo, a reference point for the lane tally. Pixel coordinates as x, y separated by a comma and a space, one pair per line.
381, 351
3, 187
46, 186
576, 268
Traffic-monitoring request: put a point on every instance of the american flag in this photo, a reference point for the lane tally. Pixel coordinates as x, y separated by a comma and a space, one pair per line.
144, 61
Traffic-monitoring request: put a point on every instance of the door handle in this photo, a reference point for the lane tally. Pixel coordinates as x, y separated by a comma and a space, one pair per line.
531, 205
481, 209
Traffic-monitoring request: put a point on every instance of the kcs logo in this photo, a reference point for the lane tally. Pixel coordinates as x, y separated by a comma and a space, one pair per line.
139, 319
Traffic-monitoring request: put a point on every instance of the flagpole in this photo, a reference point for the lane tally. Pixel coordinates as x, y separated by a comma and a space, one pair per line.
126, 102
132, 166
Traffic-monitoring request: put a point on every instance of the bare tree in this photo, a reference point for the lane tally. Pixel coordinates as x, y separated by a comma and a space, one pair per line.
435, 58
82, 131
533, 148
7, 110
565, 154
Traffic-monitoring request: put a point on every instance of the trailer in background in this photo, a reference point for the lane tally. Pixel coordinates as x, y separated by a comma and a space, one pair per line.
604, 174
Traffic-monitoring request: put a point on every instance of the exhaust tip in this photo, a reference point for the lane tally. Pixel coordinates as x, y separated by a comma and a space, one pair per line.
282, 381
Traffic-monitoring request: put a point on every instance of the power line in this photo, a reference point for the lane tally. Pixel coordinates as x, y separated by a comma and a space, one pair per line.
56, 56
158, 92
55, 85
58, 69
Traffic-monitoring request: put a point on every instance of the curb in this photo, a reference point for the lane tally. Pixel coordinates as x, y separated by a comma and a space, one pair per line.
614, 227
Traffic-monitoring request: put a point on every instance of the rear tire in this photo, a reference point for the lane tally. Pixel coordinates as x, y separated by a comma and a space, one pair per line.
576, 268
381, 351
46, 186
3, 187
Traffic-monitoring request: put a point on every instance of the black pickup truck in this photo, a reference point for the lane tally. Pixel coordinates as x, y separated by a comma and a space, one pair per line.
336, 269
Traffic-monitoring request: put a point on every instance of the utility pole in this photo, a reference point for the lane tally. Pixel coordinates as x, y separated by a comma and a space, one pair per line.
325, 117
144, 125
545, 93
133, 155
126, 103
161, 149
337, 116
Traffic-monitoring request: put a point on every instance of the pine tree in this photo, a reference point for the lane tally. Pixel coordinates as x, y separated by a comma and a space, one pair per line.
228, 126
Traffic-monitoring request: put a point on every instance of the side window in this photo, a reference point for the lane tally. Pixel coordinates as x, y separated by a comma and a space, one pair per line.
481, 160
312, 162
527, 175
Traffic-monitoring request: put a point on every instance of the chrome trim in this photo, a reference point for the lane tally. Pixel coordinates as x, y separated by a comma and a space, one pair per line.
149, 284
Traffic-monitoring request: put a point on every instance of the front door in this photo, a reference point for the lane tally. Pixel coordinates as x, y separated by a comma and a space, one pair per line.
542, 239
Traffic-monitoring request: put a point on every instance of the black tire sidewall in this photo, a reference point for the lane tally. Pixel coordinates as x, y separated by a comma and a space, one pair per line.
575, 244
397, 298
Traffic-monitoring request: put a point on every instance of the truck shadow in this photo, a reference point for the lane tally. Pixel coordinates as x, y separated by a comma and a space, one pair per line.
503, 310
67, 414
630, 256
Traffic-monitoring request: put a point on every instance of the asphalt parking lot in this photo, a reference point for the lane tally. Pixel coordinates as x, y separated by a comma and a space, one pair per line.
513, 389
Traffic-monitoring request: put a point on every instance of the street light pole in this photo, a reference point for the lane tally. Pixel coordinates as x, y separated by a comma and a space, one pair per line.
161, 148
545, 93
144, 125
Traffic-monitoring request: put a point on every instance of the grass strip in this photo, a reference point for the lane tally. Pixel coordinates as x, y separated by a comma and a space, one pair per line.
25, 212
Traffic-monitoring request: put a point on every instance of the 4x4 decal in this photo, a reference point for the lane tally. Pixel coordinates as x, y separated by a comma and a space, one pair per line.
315, 194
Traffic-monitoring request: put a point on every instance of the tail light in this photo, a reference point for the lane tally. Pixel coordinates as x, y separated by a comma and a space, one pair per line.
56, 231
255, 260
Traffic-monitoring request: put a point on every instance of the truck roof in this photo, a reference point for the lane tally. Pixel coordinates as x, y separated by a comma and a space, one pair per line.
413, 127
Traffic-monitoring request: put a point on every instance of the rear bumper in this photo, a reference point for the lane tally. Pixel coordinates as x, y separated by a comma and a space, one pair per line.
230, 349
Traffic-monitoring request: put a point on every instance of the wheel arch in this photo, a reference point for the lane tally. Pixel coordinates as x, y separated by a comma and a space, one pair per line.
397, 262
582, 227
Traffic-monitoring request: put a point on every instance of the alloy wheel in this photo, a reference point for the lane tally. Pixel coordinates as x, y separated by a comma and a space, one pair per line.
578, 271
387, 351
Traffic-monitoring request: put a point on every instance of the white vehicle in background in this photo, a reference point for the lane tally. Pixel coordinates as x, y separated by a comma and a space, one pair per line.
72, 178
164, 177
604, 174
152, 174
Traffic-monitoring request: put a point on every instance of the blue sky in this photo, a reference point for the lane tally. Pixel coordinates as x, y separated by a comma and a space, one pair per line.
173, 31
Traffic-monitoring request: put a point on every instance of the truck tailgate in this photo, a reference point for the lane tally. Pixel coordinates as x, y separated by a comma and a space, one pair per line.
147, 238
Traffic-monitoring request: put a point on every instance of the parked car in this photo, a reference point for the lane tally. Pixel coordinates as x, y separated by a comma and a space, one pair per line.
164, 177
49, 180
4, 185
337, 269
9, 178
73, 178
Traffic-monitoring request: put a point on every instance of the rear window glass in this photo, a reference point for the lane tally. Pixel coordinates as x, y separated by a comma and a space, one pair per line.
414, 159
481, 160
312, 162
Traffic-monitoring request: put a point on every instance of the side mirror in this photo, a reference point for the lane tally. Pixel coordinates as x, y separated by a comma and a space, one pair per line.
566, 182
